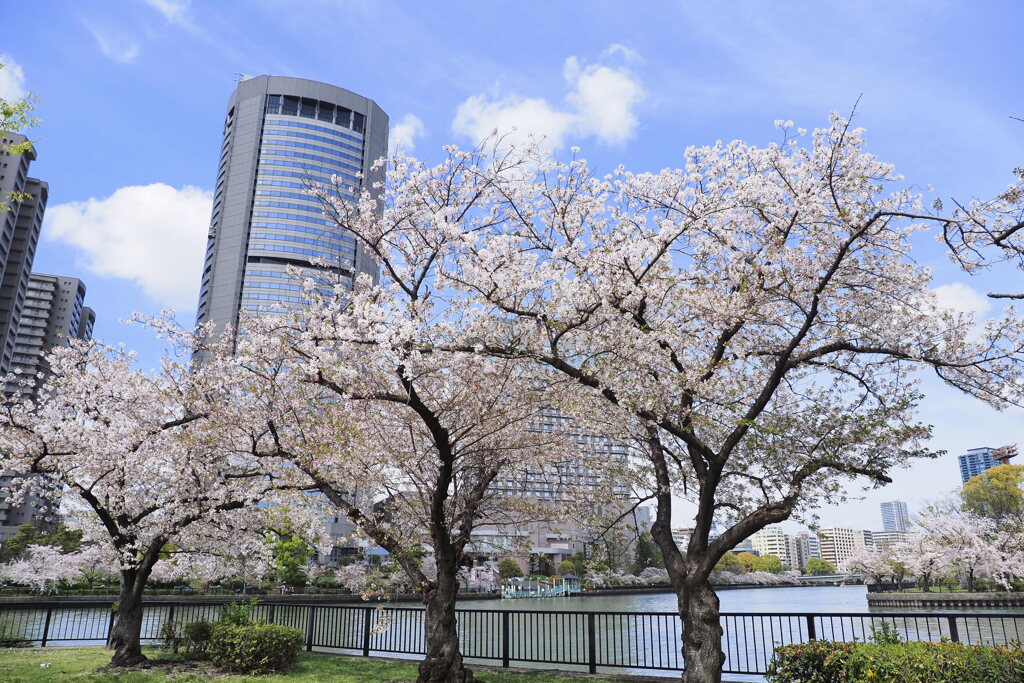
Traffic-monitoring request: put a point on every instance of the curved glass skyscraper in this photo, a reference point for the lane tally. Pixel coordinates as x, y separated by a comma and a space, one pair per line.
280, 134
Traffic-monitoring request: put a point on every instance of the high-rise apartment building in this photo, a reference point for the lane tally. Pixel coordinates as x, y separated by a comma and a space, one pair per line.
975, 461
280, 135
560, 538
894, 516
21, 220
887, 539
838, 543
54, 312
772, 541
802, 547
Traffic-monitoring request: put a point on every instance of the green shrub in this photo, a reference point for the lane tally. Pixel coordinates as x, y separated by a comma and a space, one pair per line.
238, 613
254, 648
170, 637
917, 662
886, 634
197, 636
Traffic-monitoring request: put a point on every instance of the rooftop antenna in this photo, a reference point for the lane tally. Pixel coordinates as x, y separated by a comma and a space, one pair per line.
1004, 453
239, 77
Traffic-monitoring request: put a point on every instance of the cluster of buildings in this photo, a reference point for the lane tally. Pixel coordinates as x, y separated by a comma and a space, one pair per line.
833, 544
38, 312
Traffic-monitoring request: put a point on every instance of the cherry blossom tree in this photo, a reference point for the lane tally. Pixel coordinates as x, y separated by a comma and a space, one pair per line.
923, 557
417, 449
986, 233
43, 567
134, 452
975, 547
869, 561
753, 320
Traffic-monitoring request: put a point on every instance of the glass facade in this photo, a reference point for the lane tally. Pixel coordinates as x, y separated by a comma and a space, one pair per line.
974, 462
283, 136
304, 142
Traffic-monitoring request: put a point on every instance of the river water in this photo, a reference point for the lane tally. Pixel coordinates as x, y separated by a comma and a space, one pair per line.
789, 599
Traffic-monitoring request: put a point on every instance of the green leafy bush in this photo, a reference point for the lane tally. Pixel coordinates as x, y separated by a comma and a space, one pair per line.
828, 662
886, 633
238, 613
509, 569
197, 636
170, 637
254, 648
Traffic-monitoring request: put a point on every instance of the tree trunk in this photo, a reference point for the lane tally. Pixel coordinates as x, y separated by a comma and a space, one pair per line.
444, 658
702, 632
127, 628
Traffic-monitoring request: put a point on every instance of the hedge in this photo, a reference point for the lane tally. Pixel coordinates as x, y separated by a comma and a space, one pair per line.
254, 648
916, 662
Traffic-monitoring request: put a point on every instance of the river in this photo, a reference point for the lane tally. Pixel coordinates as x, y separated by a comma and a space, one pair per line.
789, 599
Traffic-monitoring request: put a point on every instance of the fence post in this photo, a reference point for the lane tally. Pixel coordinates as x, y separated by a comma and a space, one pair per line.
170, 613
366, 631
46, 625
310, 625
505, 621
592, 642
270, 616
812, 633
954, 632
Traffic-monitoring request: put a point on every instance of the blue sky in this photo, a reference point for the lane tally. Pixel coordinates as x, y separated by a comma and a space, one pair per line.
132, 94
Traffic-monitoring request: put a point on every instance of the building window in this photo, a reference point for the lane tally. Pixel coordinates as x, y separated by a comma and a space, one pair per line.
307, 109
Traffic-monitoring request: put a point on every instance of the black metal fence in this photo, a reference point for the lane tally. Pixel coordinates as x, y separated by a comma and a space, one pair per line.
588, 640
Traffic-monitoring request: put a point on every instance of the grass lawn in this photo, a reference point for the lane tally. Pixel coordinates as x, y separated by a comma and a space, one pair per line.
80, 664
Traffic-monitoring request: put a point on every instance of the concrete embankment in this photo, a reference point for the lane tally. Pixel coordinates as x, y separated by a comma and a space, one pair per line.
944, 600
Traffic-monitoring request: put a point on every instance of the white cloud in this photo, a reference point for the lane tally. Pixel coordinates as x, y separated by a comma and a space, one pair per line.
154, 235
113, 45
173, 10
604, 99
404, 133
12, 79
478, 117
600, 104
962, 299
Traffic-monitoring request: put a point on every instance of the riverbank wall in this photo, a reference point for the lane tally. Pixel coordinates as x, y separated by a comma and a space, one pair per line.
341, 598
944, 600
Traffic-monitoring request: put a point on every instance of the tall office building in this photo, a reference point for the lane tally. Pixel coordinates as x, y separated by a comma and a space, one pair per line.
54, 312
894, 516
975, 461
280, 135
21, 222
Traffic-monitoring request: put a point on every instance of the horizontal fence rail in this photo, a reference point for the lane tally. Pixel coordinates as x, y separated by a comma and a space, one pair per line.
589, 640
